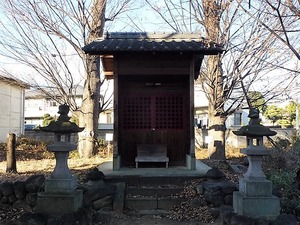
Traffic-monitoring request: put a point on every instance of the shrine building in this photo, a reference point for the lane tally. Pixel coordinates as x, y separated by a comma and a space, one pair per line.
153, 92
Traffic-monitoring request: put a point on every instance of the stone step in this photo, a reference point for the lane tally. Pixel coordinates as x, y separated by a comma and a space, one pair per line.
158, 180
159, 197
152, 203
153, 191
160, 212
137, 193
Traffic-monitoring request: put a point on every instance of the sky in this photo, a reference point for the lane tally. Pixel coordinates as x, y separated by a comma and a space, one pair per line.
139, 19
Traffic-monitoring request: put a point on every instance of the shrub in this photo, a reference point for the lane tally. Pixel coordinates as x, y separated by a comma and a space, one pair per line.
280, 168
26, 143
282, 142
283, 180
47, 118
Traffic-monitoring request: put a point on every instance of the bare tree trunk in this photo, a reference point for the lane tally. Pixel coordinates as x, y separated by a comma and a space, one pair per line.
216, 129
216, 147
90, 109
11, 166
214, 82
89, 113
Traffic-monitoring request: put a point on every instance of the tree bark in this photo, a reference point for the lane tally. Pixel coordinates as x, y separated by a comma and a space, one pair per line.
216, 147
90, 109
89, 113
214, 82
11, 166
217, 128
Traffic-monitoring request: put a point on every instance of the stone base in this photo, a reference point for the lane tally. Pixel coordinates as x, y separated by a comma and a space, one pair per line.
255, 188
52, 203
60, 185
116, 162
190, 162
256, 207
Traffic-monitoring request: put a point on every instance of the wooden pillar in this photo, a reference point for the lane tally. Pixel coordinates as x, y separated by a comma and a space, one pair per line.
116, 153
191, 163
11, 166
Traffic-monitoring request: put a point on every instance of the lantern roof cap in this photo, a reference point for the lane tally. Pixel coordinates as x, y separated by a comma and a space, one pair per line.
254, 129
62, 125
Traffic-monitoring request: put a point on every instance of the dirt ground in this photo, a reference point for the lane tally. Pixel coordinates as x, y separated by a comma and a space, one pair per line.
35, 161
123, 219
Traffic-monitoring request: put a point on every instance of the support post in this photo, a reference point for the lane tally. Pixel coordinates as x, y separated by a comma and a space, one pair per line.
11, 166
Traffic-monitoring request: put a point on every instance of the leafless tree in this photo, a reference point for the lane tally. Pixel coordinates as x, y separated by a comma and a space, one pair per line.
287, 13
251, 53
45, 39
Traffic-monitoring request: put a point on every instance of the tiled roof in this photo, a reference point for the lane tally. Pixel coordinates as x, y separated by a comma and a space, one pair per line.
152, 42
13, 81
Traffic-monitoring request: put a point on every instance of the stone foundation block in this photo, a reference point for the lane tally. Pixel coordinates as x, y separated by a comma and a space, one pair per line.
256, 207
60, 185
52, 203
252, 188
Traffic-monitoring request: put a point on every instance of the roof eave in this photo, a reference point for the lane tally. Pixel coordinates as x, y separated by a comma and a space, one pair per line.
15, 82
214, 51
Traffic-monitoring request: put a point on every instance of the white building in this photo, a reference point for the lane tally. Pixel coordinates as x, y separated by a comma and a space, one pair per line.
37, 104
233, 122
237, 119
11, 106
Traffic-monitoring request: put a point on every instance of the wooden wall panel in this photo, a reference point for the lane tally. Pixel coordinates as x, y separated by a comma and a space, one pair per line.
160, 64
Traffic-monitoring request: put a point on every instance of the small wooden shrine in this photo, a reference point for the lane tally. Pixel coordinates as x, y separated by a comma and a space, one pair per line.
153, 91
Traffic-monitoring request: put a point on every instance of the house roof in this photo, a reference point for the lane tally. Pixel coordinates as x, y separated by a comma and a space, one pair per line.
14, 81
152, 42
38, 93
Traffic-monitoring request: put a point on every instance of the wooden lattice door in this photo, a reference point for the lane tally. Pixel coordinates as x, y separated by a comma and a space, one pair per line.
156, 118
163, 112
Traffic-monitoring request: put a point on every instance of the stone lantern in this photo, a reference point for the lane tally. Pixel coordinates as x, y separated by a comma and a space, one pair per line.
254, 198
60, 195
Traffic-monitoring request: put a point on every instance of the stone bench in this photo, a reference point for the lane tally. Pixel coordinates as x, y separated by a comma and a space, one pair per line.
151, 153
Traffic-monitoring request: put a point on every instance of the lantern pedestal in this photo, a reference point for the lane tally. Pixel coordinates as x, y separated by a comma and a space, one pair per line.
254, 198
60, 196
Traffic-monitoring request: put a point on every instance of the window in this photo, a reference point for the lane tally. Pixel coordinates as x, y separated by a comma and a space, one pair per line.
237, 119
109, 117
201, 122
52, 103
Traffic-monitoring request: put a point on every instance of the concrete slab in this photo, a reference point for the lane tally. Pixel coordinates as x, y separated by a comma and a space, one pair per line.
179, 171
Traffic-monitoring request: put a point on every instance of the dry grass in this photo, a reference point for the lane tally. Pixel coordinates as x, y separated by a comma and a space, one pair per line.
231, 153
40, 161
35, 159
